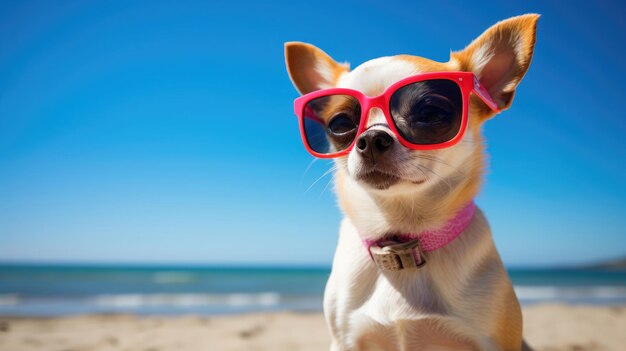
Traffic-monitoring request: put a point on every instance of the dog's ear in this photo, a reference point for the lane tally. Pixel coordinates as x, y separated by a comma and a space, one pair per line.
500, 56
310, 68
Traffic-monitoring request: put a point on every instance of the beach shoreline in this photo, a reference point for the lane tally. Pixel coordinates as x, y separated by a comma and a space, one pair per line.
548, 327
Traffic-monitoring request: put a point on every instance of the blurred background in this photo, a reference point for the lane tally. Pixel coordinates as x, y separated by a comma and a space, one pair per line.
150, 160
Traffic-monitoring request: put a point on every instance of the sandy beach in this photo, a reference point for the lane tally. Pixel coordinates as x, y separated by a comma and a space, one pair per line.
547, 328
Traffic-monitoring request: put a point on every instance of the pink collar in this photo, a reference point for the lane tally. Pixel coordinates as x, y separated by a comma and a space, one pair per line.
407, 250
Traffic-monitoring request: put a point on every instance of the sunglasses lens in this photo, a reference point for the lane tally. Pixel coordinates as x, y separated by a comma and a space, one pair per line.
428, 112
331, 123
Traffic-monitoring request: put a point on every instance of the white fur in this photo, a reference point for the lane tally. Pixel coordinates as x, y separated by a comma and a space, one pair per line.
326, 74
372, 77
481, 57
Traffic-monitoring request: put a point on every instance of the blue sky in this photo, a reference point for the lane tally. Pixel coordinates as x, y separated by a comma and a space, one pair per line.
156, 131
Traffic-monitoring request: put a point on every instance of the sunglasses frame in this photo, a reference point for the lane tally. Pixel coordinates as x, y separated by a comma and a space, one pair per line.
467, 82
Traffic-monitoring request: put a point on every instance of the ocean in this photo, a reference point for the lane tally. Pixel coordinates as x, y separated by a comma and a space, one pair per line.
48, 290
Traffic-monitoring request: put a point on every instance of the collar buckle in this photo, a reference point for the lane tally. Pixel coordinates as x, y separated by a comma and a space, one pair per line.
394, 256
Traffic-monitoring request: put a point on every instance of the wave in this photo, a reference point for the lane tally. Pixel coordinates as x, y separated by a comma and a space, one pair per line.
217, 303
9, 299
524, 292
157, 303
187, 300
571, 293
159, 299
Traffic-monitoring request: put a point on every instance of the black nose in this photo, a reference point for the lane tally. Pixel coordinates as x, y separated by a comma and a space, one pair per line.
373, 143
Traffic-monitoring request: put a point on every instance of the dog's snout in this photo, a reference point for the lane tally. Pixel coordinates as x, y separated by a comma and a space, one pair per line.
373, 143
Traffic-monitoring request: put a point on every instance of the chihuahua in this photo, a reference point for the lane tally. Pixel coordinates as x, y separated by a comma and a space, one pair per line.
415, 266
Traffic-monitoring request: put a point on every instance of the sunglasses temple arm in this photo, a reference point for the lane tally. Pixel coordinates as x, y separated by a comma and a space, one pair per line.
483, 94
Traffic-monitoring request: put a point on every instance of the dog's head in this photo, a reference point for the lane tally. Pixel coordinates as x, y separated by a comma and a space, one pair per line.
378, 163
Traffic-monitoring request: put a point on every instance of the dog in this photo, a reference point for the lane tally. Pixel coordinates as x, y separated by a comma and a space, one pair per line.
415, 266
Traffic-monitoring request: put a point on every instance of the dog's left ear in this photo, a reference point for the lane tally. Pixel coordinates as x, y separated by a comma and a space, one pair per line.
310, 68
501, 56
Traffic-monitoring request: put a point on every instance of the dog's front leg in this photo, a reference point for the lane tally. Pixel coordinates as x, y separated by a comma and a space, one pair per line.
334, 346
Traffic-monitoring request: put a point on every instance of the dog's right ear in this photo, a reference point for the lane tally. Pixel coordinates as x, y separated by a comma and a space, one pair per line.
310, 68
501, 56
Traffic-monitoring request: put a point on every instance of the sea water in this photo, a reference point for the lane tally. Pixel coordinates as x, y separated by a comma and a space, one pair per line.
38, 289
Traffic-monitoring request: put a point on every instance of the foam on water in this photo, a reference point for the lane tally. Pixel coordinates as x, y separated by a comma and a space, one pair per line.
72, 289
138, 300
9, 299
594, 294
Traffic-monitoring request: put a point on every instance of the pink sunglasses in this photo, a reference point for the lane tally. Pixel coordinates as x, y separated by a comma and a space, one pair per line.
426, 111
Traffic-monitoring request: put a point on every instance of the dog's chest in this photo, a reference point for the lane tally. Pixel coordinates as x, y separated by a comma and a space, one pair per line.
409, 320
368, 309
424, 334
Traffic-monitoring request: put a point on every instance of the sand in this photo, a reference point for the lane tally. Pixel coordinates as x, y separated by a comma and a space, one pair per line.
547, 328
